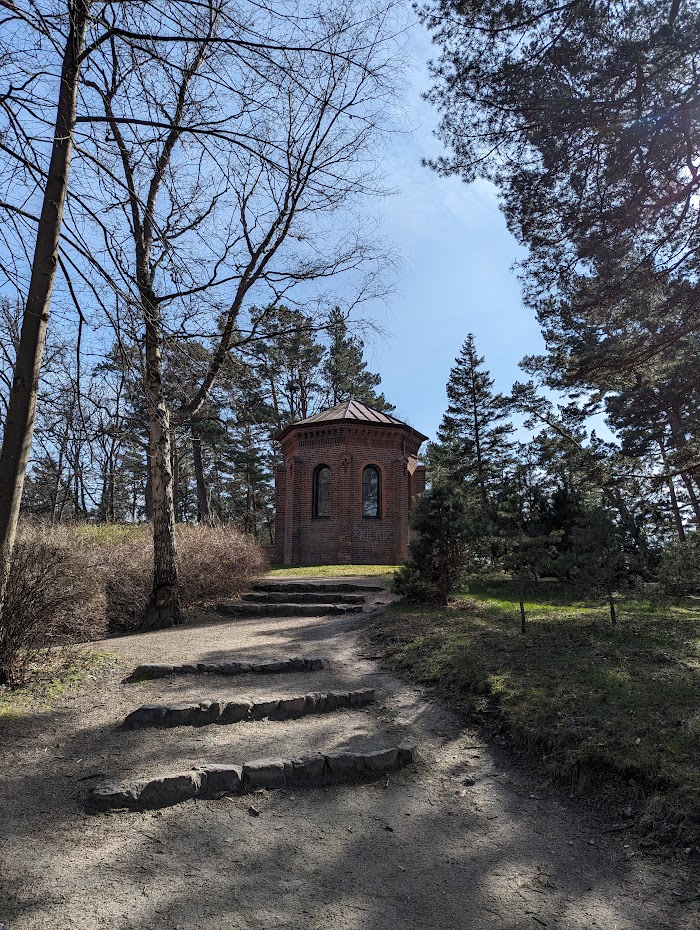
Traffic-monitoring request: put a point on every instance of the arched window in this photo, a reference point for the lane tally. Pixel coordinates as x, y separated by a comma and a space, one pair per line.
322, 491
371, 503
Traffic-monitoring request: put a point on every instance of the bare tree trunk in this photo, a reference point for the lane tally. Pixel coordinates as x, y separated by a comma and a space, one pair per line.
203, 509
164, 606
21, 413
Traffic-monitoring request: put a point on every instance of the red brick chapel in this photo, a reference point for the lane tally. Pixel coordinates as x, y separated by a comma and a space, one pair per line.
345, 490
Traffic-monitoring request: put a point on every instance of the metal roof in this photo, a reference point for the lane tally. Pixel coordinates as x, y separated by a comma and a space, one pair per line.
353, 410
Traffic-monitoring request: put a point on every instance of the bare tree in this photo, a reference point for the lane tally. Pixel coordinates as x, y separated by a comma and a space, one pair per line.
230, 162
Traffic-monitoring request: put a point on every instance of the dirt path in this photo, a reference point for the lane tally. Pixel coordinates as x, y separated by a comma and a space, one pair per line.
429, 850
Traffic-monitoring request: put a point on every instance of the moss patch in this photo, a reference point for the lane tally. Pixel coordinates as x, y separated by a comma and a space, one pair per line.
611, 710
69, 673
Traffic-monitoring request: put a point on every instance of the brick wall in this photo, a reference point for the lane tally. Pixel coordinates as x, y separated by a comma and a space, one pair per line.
346, 536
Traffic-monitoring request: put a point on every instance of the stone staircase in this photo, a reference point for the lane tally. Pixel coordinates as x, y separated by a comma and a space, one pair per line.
301, 599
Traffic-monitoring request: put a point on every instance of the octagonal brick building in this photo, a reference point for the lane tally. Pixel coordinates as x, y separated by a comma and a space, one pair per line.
346, 487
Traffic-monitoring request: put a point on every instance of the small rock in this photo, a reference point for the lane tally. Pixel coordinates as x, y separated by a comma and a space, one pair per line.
382, 760
149, 715
169, 789
221, 779
469, 781
153, 670
343, 764
264, 709
181, 715
234, 712
210, 711
306, 770
337, 699
264, 773
289, 708
363, 696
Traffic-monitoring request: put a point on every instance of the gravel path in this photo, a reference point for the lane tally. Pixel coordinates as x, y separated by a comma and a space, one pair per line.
461, 841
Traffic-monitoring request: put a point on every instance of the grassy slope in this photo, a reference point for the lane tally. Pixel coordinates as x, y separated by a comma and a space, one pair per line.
332, 571
604, 708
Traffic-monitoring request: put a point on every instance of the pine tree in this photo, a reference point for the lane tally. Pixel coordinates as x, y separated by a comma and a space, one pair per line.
345, 369
473, 441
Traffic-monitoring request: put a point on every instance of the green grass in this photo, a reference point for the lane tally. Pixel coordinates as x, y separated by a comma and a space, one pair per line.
612, 710
332, 571
70, 673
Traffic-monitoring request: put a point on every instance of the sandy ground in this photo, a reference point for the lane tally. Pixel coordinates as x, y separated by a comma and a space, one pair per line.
427, 849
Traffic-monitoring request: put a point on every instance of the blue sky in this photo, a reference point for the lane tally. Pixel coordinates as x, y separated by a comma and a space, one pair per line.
457, 275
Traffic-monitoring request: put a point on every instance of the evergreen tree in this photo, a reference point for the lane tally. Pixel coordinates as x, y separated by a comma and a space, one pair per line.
602, 561
473, 441
450, 542
345, 369
580, 113
528, 549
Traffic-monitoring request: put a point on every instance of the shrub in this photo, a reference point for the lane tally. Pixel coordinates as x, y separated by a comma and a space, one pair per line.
54, 595
679, 569
451, 535
213, 562
76, 583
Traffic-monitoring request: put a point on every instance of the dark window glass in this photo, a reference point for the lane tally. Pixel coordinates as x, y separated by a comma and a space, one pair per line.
370, 492
322, 491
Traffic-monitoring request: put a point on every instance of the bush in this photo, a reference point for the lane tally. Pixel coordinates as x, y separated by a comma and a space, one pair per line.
54, 595
76, 583
213, 562
679, 569
451, 533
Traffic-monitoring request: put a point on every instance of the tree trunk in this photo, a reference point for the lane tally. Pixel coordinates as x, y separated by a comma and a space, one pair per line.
614, 497
675, 510
164, 606
203, 509
147, 491
611, 602
692, 496
21, 413
175, 468
522, 613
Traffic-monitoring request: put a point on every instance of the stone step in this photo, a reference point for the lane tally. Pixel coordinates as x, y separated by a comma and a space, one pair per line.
227, 712
320, 587
313, 770
287, 610
302, 597
153, 670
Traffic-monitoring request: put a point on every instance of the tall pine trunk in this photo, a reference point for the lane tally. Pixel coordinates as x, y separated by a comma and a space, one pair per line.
21, 412
164, 606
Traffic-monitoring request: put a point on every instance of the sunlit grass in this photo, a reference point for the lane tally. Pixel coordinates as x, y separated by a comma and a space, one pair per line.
332, 571
613, 709
71, 672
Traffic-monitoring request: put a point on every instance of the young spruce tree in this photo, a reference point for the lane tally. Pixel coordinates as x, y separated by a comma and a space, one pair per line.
473, 441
